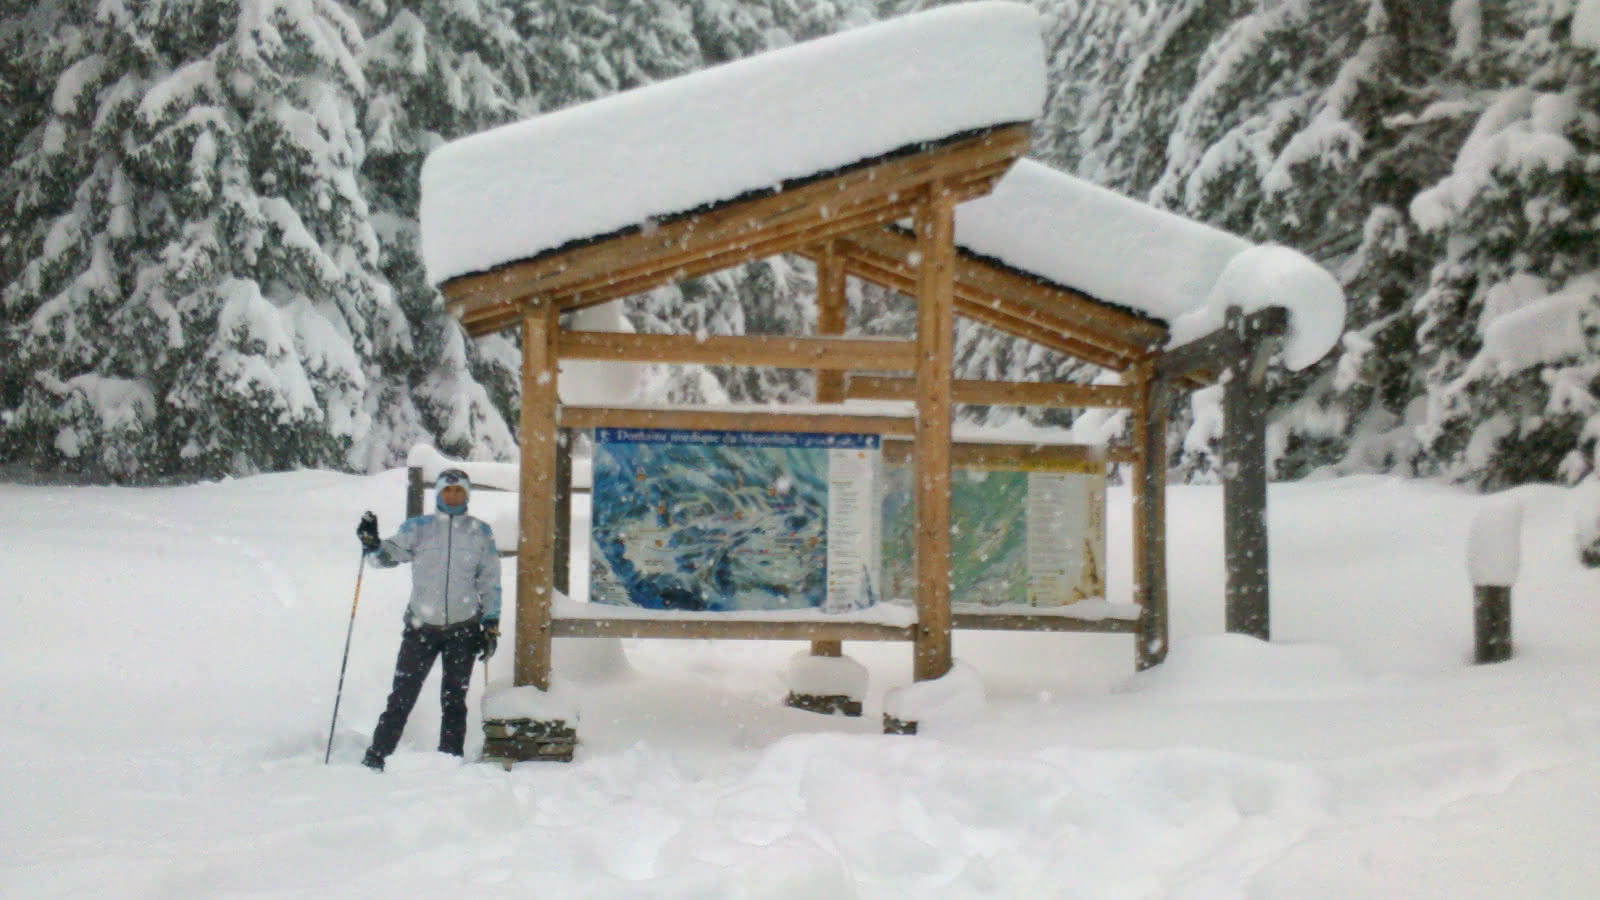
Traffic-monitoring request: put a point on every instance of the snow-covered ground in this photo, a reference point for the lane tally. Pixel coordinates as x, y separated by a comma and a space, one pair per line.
169, 656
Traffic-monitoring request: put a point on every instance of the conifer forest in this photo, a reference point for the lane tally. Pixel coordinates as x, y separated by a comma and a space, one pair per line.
208, 218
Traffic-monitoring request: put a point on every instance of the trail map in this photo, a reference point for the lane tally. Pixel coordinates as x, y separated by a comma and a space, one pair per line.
733, 521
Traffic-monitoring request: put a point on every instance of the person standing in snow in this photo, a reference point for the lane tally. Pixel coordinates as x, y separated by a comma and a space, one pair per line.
454, 612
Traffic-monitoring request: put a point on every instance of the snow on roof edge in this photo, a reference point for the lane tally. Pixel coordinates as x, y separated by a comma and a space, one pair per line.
600, 167
755, 193
1127, 254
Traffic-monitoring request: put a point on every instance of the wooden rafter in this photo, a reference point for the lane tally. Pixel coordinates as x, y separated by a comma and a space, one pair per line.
980, 279
1000, 393
737, 231
701, 419
993, 299
740, 350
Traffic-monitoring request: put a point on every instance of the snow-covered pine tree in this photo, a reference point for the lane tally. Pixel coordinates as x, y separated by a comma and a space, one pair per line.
730, 29
567, 51
651, 40
1509, 336
437, 71
208, 300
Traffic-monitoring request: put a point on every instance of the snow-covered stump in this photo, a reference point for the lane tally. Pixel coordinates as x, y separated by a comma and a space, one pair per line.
524, 723
1494, 552
958, 696
830, 685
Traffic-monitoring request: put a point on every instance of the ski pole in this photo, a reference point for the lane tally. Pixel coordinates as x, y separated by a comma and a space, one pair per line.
338, 694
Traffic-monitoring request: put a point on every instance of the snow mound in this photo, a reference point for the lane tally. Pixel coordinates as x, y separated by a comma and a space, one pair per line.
559, 703
483, 474
1273, 275
955, 699
827, 676
1228, 667
1494, 545
1092, 239
591, 660
714, 135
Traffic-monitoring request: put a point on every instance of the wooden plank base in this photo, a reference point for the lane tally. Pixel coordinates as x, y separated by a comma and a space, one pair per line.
526, 740
891, 725
734, 629
825, 704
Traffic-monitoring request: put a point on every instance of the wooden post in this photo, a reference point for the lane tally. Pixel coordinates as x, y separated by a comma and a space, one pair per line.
535, 559
561, 539
1150, 521
935, 227
1491, 609
1244, 487
414, 492
831, 308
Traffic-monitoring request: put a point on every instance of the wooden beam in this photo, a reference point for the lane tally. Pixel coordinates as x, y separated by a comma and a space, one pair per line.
561, 539
731, 629
832, 307
992, 454
481, 316
739, 350
726, 420
1024, 322
935, 229
1053, 622
995, 280
799, 214
1222, 348
1150, 523
1054, 335
536, 507
999, 393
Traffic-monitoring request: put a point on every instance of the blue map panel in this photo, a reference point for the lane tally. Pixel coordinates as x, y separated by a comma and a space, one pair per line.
712, 520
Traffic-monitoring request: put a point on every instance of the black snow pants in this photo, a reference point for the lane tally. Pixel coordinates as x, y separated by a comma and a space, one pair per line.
457, 644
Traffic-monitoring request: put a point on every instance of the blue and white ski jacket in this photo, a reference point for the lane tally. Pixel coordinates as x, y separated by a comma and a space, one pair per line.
455, 568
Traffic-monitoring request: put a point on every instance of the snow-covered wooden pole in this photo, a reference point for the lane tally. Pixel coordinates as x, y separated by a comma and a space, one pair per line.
935, 231
832, 306
1240, 351
1150, 519
1244, 483
536, 507
1494, 553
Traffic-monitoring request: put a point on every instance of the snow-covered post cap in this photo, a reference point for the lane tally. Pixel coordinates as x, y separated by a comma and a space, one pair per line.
1494, 551
956, 697
559, 704
826, 676
1273, 275
677, 145
1494, 544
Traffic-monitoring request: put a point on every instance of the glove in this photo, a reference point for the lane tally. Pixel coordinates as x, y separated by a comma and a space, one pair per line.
488, 638
367, 531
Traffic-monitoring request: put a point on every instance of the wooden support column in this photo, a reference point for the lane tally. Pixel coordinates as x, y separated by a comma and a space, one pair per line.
935, 233
832, 306
1149, 489
536, 509
1244, 485
561, 539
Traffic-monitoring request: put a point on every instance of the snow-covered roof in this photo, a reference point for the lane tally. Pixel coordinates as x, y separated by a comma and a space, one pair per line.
678, 145
1118, 250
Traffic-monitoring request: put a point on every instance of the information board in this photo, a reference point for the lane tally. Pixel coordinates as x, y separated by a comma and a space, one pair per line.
1026, 531
735, 520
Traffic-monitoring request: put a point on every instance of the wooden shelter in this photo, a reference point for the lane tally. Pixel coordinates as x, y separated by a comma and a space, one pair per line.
846, 221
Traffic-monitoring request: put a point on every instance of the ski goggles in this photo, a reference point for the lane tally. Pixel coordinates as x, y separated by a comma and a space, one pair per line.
451, 477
